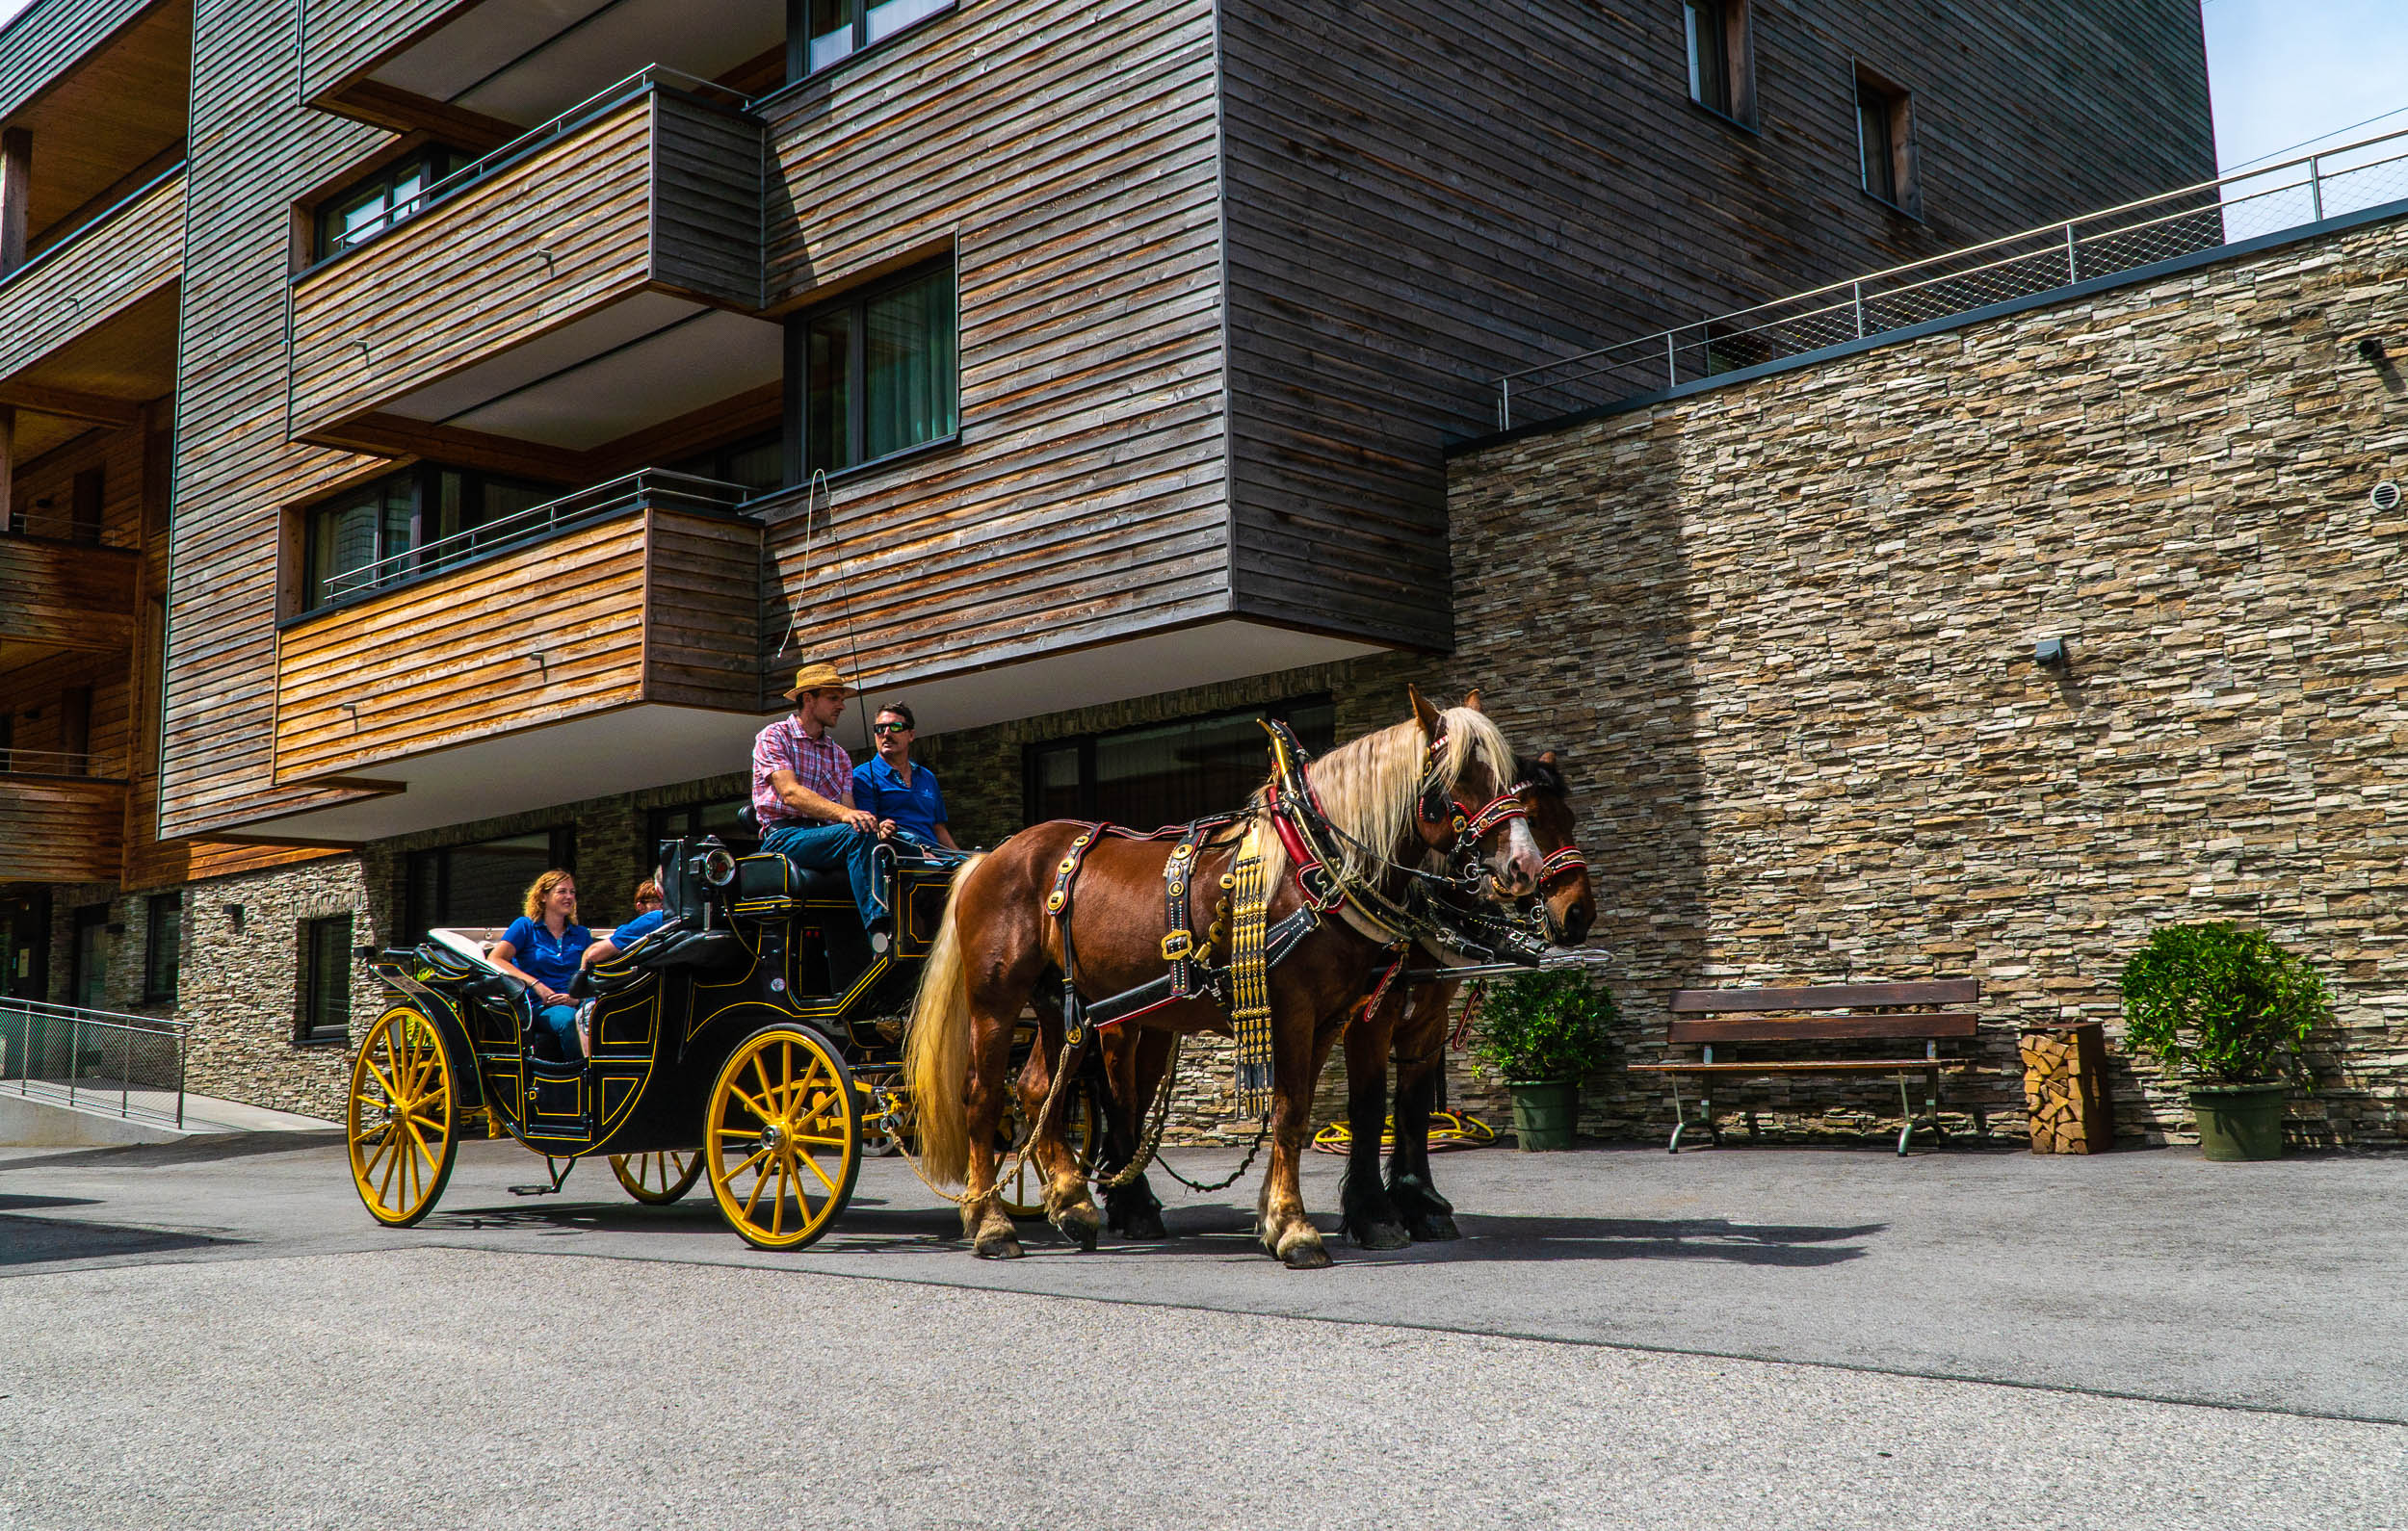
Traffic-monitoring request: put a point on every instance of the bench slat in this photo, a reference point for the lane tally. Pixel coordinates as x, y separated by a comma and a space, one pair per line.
1820, 1028
1844, 1066
1826, 996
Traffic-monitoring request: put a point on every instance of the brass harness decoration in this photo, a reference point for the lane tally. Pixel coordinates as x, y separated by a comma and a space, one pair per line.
1249, 971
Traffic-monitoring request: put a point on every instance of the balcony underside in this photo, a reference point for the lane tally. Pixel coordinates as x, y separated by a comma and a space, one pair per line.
99, 379
56, 829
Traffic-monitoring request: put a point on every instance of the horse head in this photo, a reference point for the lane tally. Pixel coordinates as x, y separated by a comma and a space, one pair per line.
1566, 899
1469, 793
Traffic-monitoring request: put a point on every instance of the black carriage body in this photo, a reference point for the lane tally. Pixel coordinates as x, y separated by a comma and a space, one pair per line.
761, 944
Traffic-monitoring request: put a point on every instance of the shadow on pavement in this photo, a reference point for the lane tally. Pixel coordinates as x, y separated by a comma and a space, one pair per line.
204, 1149
1713, 1238
44, 1240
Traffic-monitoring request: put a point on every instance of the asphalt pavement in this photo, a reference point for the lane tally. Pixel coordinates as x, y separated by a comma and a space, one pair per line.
213, 1333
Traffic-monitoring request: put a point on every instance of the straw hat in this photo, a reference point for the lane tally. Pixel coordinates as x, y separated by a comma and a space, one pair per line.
817, 676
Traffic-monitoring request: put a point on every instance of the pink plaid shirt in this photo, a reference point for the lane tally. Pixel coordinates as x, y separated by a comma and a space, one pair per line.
821, 764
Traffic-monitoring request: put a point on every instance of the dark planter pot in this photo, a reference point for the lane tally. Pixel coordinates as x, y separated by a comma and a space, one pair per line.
2240, 1121
1544, 1115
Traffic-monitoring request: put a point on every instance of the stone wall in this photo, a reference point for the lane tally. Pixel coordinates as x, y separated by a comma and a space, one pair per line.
1785, 631
241, 978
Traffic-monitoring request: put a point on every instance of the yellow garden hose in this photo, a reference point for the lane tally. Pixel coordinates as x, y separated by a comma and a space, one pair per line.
1447, 1129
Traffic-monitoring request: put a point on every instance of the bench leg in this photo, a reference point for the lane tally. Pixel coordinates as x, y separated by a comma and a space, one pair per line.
1906, 1111
1681, 1123
1680, 1115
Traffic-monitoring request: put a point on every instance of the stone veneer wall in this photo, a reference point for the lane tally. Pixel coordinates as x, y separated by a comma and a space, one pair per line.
1785, 629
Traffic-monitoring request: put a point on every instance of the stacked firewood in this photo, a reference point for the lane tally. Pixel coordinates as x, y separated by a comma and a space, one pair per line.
2065, 1089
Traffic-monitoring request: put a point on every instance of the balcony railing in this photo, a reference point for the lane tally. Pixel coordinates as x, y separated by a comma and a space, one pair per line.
62, 525
128, 1066
654, 486
61, 763
2212, 213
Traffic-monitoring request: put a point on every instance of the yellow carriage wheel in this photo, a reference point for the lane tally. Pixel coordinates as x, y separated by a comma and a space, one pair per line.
782, 1138
657, 1179
402, 1122
1083, 1127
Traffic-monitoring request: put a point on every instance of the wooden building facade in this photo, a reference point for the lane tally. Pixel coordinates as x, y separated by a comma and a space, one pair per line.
535, 383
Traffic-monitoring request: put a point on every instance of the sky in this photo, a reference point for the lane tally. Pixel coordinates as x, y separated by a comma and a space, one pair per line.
2286, 75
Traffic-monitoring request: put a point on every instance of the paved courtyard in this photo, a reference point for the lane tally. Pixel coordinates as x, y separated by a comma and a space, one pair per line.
213, 1334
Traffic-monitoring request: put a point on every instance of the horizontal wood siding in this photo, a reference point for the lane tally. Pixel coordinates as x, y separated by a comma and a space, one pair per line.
463, 282
90, 280
67, 595
1426, 193
706, 202
46, 40
59, 831
344, 38
455, 659
1066, 153
702, 612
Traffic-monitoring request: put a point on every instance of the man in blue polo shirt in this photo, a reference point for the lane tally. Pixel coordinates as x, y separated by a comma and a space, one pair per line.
894, 790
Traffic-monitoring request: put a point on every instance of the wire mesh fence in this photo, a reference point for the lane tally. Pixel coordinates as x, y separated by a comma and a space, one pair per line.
2213, 214
125, 1065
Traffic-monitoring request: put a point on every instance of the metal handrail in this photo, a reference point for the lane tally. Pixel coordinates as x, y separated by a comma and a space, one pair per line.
15, 762
644, 486
2048, 258
38, 1021
97, 219
54, 526
476, 170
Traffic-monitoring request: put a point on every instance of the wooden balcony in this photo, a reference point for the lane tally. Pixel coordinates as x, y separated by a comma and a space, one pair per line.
633, 222
60, 828
616, 650
92, 274
65, 594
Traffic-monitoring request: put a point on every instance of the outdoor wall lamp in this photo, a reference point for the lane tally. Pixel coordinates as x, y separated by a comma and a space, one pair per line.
2370, 348
2049, 653
234, 917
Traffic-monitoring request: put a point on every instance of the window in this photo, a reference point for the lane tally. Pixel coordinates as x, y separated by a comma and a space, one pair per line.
85, 505
758, 462
165, 951
369, 207
1719, 76
835, 30
1885, 141
325, 986
877, 370
1164, 773
480, 885
353, 544
87, 960
696, 818
75, 731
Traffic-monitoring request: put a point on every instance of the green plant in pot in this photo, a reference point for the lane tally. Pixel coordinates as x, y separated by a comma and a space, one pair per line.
2231, 1009
1542, 1033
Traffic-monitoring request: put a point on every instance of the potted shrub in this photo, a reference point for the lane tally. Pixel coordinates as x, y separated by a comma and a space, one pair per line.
2229, 1008
1542, 1033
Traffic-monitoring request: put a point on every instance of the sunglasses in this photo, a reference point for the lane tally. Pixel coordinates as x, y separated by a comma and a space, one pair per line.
890, 728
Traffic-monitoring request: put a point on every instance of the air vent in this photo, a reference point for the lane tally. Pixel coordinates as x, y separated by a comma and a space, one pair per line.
2384, 496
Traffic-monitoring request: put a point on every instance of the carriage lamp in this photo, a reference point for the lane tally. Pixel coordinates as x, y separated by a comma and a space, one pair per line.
2049, 653
718, 868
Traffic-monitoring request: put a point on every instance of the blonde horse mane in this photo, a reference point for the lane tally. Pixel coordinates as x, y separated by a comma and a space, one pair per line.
1372, 786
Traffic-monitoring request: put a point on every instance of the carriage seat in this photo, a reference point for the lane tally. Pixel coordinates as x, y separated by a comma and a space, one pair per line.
471, 944
769, 874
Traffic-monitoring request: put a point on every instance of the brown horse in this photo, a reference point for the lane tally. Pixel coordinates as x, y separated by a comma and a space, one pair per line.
1410, 1026
998, 943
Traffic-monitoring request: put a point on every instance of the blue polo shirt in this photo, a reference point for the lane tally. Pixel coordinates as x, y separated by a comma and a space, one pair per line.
554, 961
919, 807
635, 929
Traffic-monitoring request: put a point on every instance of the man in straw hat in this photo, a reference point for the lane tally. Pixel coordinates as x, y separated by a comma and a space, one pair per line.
802, 793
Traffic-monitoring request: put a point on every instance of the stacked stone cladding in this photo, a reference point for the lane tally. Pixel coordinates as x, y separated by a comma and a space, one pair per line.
1785, 633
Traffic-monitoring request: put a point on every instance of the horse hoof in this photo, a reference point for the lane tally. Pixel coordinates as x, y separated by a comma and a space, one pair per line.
1378, 1235
1078, 1224
992, 1247
1306, 1254
1432, 1228
1146, 1224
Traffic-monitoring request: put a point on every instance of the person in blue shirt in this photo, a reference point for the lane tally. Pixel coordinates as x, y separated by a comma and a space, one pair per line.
651, 913
888, 785
542, 948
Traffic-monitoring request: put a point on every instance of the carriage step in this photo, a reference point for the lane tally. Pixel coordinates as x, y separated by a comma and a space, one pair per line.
535, 1190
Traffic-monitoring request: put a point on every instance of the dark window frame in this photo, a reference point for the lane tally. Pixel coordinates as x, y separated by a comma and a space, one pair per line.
1085, 744
719, 461
1885, 110
799, 37
1724, 29
424, 482
171, 906
802, 454
311, 1029
86, 918
417, 918
432, 161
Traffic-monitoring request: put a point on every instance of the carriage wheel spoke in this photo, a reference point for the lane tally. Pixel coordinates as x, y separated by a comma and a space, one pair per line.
814, 1166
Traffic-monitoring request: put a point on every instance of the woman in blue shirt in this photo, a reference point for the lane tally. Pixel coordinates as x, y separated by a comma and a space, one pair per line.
541, 947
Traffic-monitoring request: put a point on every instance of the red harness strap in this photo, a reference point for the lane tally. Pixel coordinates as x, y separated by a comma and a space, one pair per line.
1562, 861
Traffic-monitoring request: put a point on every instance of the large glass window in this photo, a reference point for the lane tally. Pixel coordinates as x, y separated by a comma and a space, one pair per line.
838, 29
881, 370
325, 1013
356, 544
374, 203
1165, 773
165, 953
480, 885
88, 971
757, 462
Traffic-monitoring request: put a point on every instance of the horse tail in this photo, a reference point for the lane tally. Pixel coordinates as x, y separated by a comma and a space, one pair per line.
936, 1048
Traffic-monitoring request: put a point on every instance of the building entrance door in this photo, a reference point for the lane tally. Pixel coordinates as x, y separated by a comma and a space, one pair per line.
25, 945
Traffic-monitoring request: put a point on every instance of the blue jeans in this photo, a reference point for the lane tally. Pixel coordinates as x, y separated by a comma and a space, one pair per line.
825, 847
559, 1021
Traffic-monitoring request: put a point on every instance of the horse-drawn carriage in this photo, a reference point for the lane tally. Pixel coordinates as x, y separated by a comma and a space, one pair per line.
756, 1037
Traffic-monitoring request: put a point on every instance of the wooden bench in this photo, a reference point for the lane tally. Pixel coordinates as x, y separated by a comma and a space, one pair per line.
1882, 1012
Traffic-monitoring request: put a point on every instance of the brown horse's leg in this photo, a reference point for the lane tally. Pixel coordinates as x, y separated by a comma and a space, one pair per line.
1299, 1049
1364, 1209
1132, 1068
1067, 1205
984, 1220
1420, 1060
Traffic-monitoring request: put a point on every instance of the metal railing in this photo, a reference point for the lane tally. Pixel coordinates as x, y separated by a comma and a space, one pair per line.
61, 526
481, 169
15, 762
2227, 211
128, 1065
646, 486
98, 221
